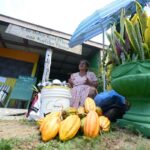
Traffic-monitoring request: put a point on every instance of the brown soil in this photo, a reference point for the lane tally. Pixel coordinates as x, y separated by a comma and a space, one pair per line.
119, 139
16, 129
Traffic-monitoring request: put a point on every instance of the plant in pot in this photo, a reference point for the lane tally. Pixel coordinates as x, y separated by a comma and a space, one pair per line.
129, 54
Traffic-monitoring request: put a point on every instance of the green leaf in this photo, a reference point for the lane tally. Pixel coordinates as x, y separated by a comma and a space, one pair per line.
139, 38
132, 36
122, 22
147, 36
122, 42
112, 44
146, 50
142, 15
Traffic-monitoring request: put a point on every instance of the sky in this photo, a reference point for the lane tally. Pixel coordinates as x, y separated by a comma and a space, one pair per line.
61, 15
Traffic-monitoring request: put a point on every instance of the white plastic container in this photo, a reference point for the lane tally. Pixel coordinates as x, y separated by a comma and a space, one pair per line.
55, 98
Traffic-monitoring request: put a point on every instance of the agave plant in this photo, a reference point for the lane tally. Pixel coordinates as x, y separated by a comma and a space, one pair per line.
132, 43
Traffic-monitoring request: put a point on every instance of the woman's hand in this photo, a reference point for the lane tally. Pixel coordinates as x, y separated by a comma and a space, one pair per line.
70, 81
88, 82
91, 83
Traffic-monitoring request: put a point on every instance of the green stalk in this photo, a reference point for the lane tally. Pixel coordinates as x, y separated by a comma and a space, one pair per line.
134, 19
139, 38
122, 21
122, 42
142, 15
146, 50
112, 43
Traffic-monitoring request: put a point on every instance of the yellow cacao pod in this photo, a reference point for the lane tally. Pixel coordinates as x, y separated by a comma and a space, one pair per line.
91, 124
69, 127
50, 129
104, 123
82, 124
89, 104
81, 110
48, 117
71, 110
39, 122
99, 111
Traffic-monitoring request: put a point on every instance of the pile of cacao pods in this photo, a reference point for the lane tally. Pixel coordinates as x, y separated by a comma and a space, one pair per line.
89, 120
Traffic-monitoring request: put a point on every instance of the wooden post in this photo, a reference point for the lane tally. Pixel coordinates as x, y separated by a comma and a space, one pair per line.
47, 65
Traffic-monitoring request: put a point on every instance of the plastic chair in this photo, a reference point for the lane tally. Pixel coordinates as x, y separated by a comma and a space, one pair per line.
22, 90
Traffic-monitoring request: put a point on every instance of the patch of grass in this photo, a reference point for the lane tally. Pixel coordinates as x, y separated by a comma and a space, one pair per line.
8, 144
116, 139
108, 141
19, 143
5, 145
27, 122
113, 140
77, 143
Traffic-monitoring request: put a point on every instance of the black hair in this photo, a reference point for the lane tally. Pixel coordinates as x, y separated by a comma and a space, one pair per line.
86, 62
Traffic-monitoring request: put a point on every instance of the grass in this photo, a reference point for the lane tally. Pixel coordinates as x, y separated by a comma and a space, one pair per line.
5, 145
27, 122
116, 139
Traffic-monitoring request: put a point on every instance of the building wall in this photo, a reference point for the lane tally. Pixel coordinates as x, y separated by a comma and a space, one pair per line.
18, 56
22, 56
95, 63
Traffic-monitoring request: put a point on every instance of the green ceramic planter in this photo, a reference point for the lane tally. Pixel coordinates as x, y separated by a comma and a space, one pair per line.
132, 80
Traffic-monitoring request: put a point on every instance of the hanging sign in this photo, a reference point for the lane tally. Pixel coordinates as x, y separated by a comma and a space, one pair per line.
43, 38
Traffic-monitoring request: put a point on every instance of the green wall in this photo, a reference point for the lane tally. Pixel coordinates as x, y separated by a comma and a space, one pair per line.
95, 67
95, 63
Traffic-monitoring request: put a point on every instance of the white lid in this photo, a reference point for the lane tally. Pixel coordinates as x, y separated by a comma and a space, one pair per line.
56, 82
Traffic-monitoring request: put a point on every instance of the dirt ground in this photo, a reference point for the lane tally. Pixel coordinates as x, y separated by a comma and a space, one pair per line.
16, 129
28, 133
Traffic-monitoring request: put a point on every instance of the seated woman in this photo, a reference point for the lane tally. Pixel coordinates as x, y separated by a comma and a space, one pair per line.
83, 83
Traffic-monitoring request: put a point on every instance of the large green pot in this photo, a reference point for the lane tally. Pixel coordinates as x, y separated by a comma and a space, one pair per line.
132, 80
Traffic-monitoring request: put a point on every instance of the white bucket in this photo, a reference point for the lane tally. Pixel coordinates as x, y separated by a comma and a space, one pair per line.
55, 98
